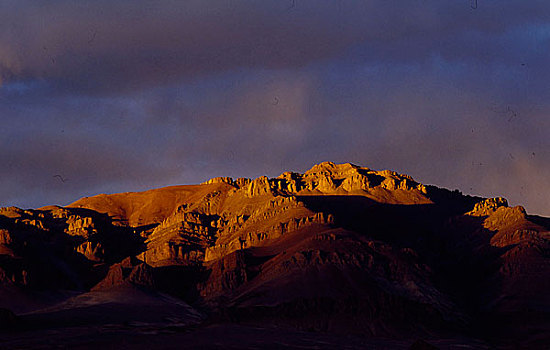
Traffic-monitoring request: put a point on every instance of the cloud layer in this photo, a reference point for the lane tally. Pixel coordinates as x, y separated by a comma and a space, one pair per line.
129, 95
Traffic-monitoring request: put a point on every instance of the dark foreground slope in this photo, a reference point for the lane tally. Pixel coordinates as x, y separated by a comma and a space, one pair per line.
338, 256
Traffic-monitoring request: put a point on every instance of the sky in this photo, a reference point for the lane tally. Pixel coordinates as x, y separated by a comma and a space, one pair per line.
116, 96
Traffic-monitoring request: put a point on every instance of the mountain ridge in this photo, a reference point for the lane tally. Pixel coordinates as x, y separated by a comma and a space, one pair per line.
340, 248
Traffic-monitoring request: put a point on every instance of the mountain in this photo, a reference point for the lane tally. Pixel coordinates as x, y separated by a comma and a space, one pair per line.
357, 256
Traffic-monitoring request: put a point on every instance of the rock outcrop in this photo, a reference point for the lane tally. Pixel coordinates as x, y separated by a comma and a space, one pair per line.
129, 270
488, 206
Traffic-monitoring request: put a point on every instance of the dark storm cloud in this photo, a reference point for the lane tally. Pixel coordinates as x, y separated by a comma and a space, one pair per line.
129, 95
87, 159
106, 46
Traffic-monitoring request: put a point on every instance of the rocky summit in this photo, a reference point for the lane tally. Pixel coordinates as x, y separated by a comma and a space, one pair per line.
340, 255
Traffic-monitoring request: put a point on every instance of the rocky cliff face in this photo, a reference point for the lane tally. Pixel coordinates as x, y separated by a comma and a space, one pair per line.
252, 213
338, 248
58, 247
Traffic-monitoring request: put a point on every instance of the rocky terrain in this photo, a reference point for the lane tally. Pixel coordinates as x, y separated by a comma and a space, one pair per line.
341, 255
